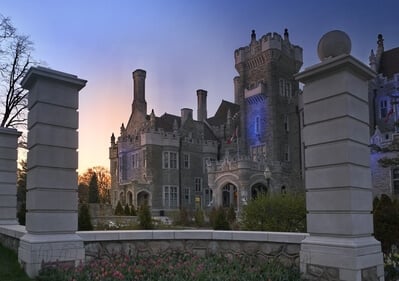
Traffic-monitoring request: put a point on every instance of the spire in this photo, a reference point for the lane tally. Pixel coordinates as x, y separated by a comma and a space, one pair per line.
372, 61
112, 138
380, 41
380, 50
122, 129
286, 35
253, 36
152, 119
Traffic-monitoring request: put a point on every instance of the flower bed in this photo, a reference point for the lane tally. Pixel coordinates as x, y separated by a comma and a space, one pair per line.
175, 266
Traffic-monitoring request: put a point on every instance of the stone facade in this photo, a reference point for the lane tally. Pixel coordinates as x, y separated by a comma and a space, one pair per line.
383, 97
172, 161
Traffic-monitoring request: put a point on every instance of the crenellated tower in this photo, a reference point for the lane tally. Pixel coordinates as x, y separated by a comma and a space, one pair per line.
268, 97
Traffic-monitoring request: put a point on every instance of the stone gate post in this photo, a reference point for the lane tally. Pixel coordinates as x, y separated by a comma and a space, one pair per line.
8, 175
341, 245
52, 204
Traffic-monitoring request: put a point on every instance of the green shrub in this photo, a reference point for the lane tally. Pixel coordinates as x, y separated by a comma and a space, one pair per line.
275, 212
119, 209
84, 221
182, 218
231, 214
145, 218
133, 211
386, 222
21, 214
126, 211
219, 220
199, 217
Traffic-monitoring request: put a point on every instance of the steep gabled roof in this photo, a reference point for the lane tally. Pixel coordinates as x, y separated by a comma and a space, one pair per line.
166, 121
220, 116
389, 63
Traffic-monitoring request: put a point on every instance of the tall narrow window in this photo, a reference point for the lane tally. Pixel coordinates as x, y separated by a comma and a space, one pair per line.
123, 167
198, 184
395, 181
383, 108
257, 125
286, 124
166, 160
287, 153
186, 196
282, 88
186, 161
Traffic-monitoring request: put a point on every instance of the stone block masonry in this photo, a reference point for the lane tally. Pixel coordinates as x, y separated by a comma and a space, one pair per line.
8, 175
337, 169
52, 210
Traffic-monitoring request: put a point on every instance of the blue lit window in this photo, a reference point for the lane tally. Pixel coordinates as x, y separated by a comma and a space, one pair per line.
257, 125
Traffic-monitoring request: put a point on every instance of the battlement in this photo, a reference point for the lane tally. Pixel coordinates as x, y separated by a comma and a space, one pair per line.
267, 42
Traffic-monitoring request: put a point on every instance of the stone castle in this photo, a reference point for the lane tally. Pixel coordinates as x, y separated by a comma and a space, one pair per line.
250, 146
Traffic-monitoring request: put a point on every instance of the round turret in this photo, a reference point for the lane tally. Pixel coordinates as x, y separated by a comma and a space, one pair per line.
334, 43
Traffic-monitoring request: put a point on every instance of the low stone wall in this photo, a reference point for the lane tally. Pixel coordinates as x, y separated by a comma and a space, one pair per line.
10, 235
283, 246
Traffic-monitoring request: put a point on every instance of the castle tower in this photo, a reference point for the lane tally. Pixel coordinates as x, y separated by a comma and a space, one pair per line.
268, 99
139, 103
201, 110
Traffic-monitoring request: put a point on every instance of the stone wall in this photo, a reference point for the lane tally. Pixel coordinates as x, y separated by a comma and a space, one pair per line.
10, 235
283, 246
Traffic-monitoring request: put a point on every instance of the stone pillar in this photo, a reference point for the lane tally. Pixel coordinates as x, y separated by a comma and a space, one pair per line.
8, 175
52, 200
341, 245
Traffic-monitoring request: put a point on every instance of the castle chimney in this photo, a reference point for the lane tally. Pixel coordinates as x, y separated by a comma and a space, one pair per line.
201, 110
139, 102
186, 113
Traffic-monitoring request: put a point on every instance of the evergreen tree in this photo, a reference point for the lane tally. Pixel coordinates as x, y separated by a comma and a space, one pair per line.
93, 190
145, 218
119, 209
21, 192
84, 220
133, 211
127, 210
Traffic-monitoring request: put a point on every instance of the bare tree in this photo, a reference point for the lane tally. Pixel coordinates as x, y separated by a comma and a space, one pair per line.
103, 181
15, 60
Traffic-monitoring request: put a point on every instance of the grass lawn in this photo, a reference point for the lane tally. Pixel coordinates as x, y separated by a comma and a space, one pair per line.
10, 269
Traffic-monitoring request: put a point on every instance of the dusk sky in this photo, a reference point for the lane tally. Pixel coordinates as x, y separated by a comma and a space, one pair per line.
183, 46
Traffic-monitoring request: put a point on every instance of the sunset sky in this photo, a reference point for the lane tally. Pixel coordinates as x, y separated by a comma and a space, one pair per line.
183, 45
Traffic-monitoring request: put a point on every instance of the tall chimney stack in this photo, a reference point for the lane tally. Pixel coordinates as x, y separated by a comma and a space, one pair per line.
139, 102
201, 110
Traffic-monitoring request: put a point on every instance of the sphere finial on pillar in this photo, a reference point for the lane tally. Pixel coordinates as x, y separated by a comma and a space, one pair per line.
334, 43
